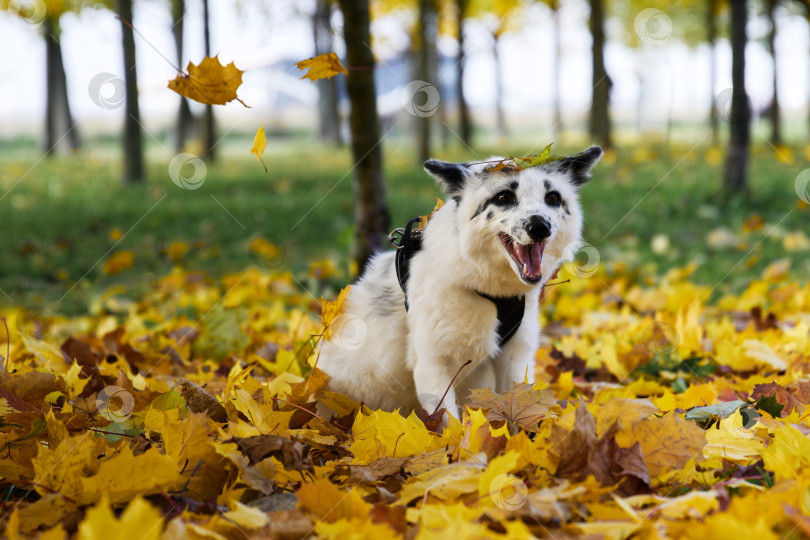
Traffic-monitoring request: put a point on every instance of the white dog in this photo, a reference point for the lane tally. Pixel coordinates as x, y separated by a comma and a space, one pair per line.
465, 288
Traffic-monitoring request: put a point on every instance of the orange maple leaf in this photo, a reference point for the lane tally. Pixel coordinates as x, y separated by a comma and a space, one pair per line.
321, 67
210, 82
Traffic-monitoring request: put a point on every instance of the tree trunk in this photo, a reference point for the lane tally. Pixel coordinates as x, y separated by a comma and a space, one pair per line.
60, 129
739, 118
184, 118
599, 124
555, 83
327, 88
425, 70
774, 111
711, 38
371, 214
209, 129
500, 115
465, 124
133, 150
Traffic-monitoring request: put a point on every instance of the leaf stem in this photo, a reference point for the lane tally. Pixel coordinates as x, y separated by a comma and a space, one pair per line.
465, 364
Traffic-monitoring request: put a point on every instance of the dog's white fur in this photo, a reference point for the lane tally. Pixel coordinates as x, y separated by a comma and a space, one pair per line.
392, 359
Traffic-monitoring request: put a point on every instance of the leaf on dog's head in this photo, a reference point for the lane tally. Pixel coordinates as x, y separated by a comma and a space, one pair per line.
512, 163
210, 82
522, 406
331, 310
542, 158
507, 164
424, 220
321, 67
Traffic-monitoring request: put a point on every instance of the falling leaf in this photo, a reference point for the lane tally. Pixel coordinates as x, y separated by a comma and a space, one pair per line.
210, 82
259, 144
323, 66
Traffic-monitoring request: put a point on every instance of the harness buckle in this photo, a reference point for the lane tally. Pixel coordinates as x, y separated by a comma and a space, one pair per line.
397, 237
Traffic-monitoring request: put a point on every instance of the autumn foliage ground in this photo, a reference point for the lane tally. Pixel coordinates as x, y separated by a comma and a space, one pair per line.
190, 413
172, 402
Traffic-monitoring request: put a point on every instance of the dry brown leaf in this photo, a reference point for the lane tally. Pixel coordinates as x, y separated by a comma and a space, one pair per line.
668, 443
521, 406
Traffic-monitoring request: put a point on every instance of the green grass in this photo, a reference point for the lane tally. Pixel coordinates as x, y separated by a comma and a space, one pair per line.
60, 216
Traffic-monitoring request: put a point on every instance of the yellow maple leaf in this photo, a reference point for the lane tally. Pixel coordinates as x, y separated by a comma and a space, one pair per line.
352, 528
259, 144
323, 66
327, 502
788, 454
331, 310
731, 441
186, 441
140, 521
125, 476
57, 470
210, 82
382, 434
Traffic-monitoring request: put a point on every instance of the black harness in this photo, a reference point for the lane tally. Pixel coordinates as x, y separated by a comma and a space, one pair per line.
408, 242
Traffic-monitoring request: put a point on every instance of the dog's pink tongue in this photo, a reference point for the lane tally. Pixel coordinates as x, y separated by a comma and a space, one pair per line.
531, 255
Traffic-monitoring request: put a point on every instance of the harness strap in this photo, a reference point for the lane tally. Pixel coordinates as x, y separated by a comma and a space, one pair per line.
510, 309
409, 244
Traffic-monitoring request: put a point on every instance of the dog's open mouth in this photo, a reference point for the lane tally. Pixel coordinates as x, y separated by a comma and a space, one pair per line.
527, 256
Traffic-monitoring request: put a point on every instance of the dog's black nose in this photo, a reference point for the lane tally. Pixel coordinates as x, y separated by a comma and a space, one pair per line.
538, 228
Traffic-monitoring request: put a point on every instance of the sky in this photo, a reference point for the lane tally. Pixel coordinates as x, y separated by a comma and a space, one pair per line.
258, 35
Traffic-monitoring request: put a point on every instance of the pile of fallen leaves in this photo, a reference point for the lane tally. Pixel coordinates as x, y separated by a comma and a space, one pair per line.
660, 411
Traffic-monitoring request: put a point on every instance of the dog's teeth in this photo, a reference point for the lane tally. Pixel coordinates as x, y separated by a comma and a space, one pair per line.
525, 269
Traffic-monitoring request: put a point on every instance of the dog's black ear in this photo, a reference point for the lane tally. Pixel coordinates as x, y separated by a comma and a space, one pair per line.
579, 165
451, 175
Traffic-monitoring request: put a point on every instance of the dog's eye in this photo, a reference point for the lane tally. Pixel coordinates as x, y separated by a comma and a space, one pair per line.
553, 198
506, 197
